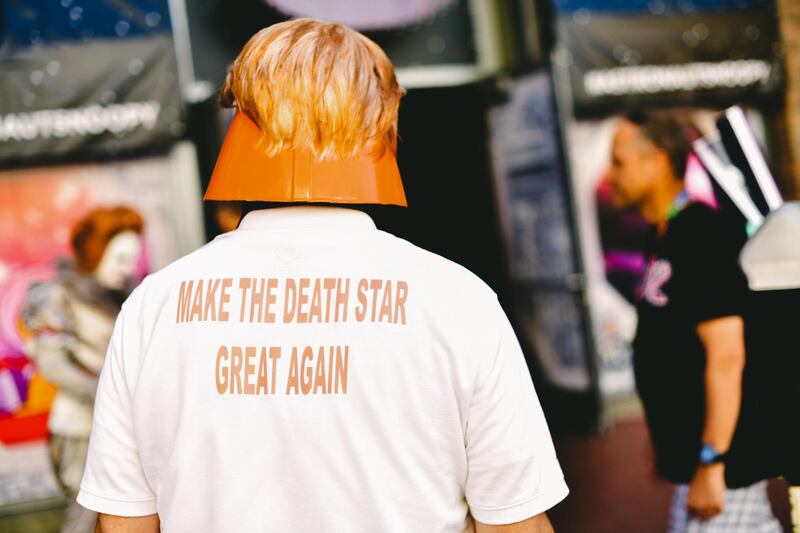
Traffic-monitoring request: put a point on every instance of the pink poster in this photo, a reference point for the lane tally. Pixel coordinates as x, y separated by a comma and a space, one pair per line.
37, 209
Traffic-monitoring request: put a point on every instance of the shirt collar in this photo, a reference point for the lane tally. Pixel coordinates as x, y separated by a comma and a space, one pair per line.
306, 217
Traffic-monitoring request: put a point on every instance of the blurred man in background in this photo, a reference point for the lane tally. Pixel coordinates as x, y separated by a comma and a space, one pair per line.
689, 352
411, 407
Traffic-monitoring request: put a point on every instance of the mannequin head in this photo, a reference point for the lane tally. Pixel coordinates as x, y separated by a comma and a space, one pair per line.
107, 243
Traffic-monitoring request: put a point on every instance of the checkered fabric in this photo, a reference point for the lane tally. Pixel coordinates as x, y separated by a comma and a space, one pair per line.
746, 510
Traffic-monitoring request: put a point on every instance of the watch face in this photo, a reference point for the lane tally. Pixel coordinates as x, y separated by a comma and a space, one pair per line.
708, 454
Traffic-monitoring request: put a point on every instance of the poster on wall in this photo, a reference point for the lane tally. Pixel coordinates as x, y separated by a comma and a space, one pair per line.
86, 79
37, 210
535, 212
613, 252
691, 52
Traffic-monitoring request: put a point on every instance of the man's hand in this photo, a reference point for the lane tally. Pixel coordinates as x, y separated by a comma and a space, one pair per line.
707, 492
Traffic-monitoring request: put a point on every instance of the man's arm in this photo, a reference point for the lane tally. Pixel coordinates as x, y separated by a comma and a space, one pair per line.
535, 524
107, 523
723, 339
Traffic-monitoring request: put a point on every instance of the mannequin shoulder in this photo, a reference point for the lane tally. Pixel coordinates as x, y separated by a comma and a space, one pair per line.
47, 304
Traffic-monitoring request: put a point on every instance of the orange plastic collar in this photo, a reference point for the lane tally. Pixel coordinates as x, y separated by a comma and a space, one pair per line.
244, 172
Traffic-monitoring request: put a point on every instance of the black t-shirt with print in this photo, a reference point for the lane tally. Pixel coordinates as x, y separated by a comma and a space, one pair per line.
693, 275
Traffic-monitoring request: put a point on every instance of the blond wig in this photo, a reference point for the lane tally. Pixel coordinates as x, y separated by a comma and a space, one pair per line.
316, 86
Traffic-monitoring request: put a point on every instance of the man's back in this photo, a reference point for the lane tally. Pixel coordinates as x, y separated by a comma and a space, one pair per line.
308, 372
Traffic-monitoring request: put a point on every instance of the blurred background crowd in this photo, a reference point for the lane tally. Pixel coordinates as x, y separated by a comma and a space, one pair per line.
109, 128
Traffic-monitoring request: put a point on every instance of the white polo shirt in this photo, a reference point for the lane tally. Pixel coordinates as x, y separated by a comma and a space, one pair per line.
309, 373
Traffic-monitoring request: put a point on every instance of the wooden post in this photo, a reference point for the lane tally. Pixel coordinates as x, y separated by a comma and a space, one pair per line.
789, 15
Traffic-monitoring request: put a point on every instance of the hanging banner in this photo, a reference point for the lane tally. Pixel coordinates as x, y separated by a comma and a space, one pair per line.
86, 79
708, 53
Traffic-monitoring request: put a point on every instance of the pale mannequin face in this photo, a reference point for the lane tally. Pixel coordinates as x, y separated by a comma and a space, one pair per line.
119, 260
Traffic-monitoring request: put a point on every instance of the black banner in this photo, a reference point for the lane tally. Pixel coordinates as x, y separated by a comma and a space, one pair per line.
717, 59
86, 80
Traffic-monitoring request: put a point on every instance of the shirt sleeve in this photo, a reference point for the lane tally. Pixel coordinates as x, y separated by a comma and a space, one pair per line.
717, 285
114, 481
513, 473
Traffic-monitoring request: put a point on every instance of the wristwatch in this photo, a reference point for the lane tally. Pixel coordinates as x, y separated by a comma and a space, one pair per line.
709, 455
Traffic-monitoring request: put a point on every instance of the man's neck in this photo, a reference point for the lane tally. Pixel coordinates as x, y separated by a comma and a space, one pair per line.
656, 210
